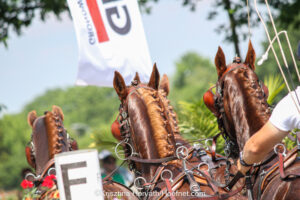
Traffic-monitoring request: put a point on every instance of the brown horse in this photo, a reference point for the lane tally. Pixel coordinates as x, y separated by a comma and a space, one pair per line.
49, 137
151, 138
242, 109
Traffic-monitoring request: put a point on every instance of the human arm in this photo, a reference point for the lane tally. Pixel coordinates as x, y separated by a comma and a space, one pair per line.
260, 144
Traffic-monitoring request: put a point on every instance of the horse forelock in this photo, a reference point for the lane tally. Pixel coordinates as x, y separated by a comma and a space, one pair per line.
246, 103
164, 139
57, 137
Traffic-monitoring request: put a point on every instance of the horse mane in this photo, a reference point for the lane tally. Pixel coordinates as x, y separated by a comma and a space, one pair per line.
56, 134
251, 112
171, 115
159, 121
255, 98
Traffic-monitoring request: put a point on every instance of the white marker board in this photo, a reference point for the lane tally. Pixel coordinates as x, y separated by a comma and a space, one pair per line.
78, 175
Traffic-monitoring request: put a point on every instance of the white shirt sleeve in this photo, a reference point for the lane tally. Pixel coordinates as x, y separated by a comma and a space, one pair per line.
285, 115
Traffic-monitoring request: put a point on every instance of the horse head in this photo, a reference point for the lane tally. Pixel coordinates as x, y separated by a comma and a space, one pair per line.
48, 138
144, 119
240, 102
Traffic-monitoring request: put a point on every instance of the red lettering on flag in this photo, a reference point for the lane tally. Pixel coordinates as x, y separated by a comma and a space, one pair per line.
97, 20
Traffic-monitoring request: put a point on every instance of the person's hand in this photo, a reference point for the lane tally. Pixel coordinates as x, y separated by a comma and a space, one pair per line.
242, 168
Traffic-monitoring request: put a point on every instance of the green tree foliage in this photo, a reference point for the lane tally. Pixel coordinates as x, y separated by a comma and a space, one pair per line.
198, 123
14, 134
193, 76
17, 14
275, 86
102, 103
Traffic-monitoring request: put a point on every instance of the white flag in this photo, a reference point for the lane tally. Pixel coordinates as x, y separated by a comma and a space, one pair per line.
110, 37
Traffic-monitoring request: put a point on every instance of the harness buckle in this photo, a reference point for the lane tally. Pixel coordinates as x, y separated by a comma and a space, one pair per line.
182, 152
140, 186
117, 152
280, 145
124, 115
203, 163
29, 175
168, 171
51, 169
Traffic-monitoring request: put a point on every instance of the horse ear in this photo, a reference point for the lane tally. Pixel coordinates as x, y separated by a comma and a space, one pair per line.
164, 84
250, 58
154, 79
137, 78
220, 62
58, 111
120, 86
31, 117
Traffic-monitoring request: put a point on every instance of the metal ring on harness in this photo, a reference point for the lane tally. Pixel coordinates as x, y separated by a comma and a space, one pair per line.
31, 174
170, 172
49, 171
135, 182
180, 152
125, 141
284, 149
203, 163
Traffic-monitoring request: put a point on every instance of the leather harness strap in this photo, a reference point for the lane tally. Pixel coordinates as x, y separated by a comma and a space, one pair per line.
169, 187
221, 196
47, 167
151, 161
235, 179
281, 168
284, 176
114, 171
271, 170
214, 146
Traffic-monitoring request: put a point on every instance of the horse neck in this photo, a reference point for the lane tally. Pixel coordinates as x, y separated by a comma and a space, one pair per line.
149, 134
141, 136
247, 107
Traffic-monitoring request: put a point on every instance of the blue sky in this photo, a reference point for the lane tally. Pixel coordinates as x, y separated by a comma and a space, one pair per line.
45, 56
